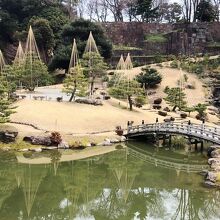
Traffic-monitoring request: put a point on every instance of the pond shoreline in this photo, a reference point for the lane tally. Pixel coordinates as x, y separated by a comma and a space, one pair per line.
68, 156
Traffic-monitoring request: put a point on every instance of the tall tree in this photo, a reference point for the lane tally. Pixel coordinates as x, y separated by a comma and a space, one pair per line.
127, 89
94, 67
146, 11
205, 11
44, 36
170, 13
80, 30
149, 77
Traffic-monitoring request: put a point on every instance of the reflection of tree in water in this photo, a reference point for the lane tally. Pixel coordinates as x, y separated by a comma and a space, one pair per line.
83, 182
31, 180
55, 157
7, 168
191, 207
72, 190
114, 203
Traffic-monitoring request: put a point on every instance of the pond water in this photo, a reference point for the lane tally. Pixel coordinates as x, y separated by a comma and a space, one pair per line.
138, 182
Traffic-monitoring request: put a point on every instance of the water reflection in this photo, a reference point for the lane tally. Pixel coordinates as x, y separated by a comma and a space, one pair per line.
118, 185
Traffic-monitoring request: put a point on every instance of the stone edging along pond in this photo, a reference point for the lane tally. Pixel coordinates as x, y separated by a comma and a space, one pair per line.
213, 176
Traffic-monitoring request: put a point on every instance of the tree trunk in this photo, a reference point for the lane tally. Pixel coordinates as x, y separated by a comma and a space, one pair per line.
73, 93
130, 103
31, 89
174, 108
92, 86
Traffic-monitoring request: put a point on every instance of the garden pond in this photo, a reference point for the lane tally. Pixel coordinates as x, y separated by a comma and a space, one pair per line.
136, 182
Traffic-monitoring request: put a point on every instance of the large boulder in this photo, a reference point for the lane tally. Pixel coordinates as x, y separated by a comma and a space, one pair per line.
38, 140
216, 153
8, 136
8, 133
63, 145
211, 176
215, 161
162, 113
183, 115
95, 102
158, 101
210, 149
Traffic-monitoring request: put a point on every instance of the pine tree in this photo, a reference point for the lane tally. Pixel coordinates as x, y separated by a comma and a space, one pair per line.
75, 80
5, 104
127, 89
176, 98
94, 67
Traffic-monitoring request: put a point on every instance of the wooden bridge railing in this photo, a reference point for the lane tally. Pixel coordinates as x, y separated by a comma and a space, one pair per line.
201, 131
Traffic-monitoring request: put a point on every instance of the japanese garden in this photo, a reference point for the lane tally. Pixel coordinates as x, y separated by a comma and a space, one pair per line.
109, 109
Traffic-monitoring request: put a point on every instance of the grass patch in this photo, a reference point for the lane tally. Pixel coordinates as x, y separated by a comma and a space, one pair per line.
19, 144
155, 38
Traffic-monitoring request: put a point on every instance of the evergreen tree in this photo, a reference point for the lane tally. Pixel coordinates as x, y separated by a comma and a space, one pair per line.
32, 73
176, 98
94, 67
126, 89
205, 11
75, 80
5, 104
79, 30
144, 9
149, 77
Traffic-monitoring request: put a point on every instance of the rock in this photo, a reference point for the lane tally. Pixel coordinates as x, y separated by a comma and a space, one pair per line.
213, 161
93, 144
35, 149
107, 140
158, 101
123, 139
210, 149
95, 102
209, 183
183, 115
63, 145
162, 113
167, 120
157, 107
8, 136
114, 141
88, 145
216, 153
215, 168
211, 176
190, 86
166, 109
107, 97
45, 141
204, 172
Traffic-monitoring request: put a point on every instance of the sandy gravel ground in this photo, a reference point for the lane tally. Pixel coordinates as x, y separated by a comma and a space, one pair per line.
170, 78
79, 119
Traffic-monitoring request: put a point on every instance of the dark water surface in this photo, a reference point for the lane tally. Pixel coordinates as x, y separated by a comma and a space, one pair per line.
139, 182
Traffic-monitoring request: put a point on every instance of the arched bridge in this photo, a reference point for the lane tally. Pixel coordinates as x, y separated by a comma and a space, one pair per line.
199, 131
